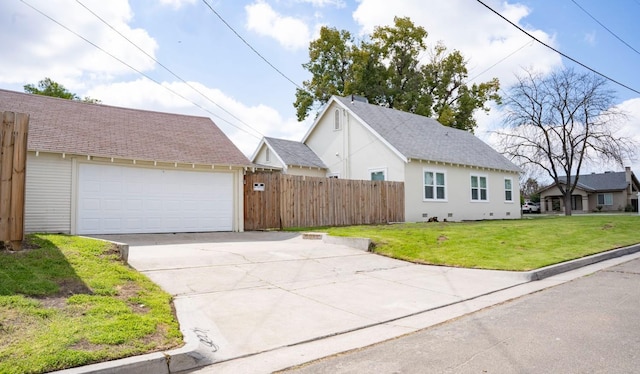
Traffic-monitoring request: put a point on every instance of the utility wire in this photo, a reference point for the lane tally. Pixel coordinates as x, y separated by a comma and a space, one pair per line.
605, 27
167, 69
559, 52
133, 68
530, 42
250, 46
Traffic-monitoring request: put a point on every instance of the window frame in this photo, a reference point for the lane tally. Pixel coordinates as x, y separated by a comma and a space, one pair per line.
510, 190
337, 120
604, 198
486, 188
435, 185
378, 170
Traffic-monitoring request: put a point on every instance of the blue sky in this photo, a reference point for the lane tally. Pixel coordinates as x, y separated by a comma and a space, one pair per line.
247, 98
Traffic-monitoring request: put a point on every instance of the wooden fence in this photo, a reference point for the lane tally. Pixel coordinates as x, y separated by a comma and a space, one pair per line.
274, 200
13, 159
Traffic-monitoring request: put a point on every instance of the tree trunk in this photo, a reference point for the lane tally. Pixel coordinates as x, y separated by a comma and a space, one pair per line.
567, 204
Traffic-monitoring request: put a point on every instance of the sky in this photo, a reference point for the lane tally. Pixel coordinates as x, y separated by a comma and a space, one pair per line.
239, 62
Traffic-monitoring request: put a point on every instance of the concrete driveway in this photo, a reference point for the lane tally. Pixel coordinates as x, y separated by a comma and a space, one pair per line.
246, 293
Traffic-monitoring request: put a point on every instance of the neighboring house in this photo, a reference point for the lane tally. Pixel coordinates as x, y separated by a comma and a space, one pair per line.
448, 173
97, 169
290, 157
609, 191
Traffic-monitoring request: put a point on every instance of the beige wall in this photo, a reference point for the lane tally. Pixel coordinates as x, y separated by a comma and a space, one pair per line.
589, 200
352, 152
458, 206
261, 158
307, 172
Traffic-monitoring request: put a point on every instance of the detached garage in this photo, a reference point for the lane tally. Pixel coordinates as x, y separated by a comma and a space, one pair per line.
97, 169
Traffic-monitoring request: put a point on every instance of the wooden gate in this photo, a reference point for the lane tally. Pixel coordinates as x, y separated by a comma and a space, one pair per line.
13, 159
274, 200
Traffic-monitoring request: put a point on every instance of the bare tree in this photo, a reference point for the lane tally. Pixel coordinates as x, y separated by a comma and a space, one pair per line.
556, 123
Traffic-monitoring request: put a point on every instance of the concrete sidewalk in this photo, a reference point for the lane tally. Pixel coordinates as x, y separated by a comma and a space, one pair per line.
260, 302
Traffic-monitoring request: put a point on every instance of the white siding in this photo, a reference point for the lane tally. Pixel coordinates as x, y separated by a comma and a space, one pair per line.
261, 158
305, 171
458, 205
48, 193
353, 151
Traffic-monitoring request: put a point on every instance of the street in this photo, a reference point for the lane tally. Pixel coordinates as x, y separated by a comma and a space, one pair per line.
588, 325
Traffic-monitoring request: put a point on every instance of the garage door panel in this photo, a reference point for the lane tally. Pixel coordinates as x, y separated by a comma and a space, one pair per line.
120, 199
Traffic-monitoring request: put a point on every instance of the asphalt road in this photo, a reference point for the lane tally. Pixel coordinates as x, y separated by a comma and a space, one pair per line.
589, 325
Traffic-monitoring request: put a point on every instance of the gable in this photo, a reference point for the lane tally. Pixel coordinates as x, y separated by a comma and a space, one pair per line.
67, 126
417, 137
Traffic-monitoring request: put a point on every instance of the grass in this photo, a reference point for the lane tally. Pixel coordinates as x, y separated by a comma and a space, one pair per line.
69, 301
518, 245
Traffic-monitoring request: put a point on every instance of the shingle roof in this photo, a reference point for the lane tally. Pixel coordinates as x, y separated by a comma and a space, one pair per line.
609, 181
423, 138
66, 126
295, 153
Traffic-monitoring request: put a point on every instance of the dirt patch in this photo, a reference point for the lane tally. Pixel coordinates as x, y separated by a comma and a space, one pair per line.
607, 226
442, 238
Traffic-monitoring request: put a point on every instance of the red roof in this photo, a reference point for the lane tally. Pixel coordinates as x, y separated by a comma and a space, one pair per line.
67, 126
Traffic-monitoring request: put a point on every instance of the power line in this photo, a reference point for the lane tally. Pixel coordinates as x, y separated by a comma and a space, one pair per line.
501, 60
166, 68
132, 68
605, 27
250, 46
559, 52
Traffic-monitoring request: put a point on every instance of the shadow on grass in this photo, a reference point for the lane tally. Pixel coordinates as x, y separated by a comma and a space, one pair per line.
41, 270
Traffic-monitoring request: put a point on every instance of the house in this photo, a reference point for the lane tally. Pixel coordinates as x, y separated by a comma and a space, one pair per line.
608, 191
290, 157
448, 173
98, 169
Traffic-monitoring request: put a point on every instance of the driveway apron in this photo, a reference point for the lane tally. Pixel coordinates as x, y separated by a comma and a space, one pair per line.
247, 293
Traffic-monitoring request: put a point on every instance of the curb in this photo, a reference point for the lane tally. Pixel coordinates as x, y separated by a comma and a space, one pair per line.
563, 267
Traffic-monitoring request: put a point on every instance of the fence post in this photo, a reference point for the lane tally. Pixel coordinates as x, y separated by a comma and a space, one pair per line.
13, 159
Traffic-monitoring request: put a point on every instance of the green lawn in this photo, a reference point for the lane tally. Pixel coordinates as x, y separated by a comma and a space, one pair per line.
68, 301
521, 245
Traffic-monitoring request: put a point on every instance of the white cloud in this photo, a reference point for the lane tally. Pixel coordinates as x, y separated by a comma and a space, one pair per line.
324, 3
35, 47
245, 130
631, 128
177, 4
291, 33
590, 38
482, 37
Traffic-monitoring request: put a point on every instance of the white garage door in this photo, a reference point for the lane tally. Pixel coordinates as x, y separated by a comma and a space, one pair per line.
120, 199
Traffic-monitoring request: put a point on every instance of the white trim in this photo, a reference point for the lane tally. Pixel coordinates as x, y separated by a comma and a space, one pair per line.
435, 191
505, 190
378, 170
362, 122
479, 200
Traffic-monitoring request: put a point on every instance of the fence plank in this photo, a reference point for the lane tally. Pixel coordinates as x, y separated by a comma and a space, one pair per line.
296, 201
13, 157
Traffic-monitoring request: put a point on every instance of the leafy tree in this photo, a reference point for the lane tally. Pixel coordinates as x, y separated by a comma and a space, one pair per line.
388, 70
529, 190
558, 122
48, 87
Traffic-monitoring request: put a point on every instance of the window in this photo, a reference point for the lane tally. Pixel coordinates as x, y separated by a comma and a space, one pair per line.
267, 155
508, 189
605, 199
336, 120
378, 174
479, 188
434, 185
